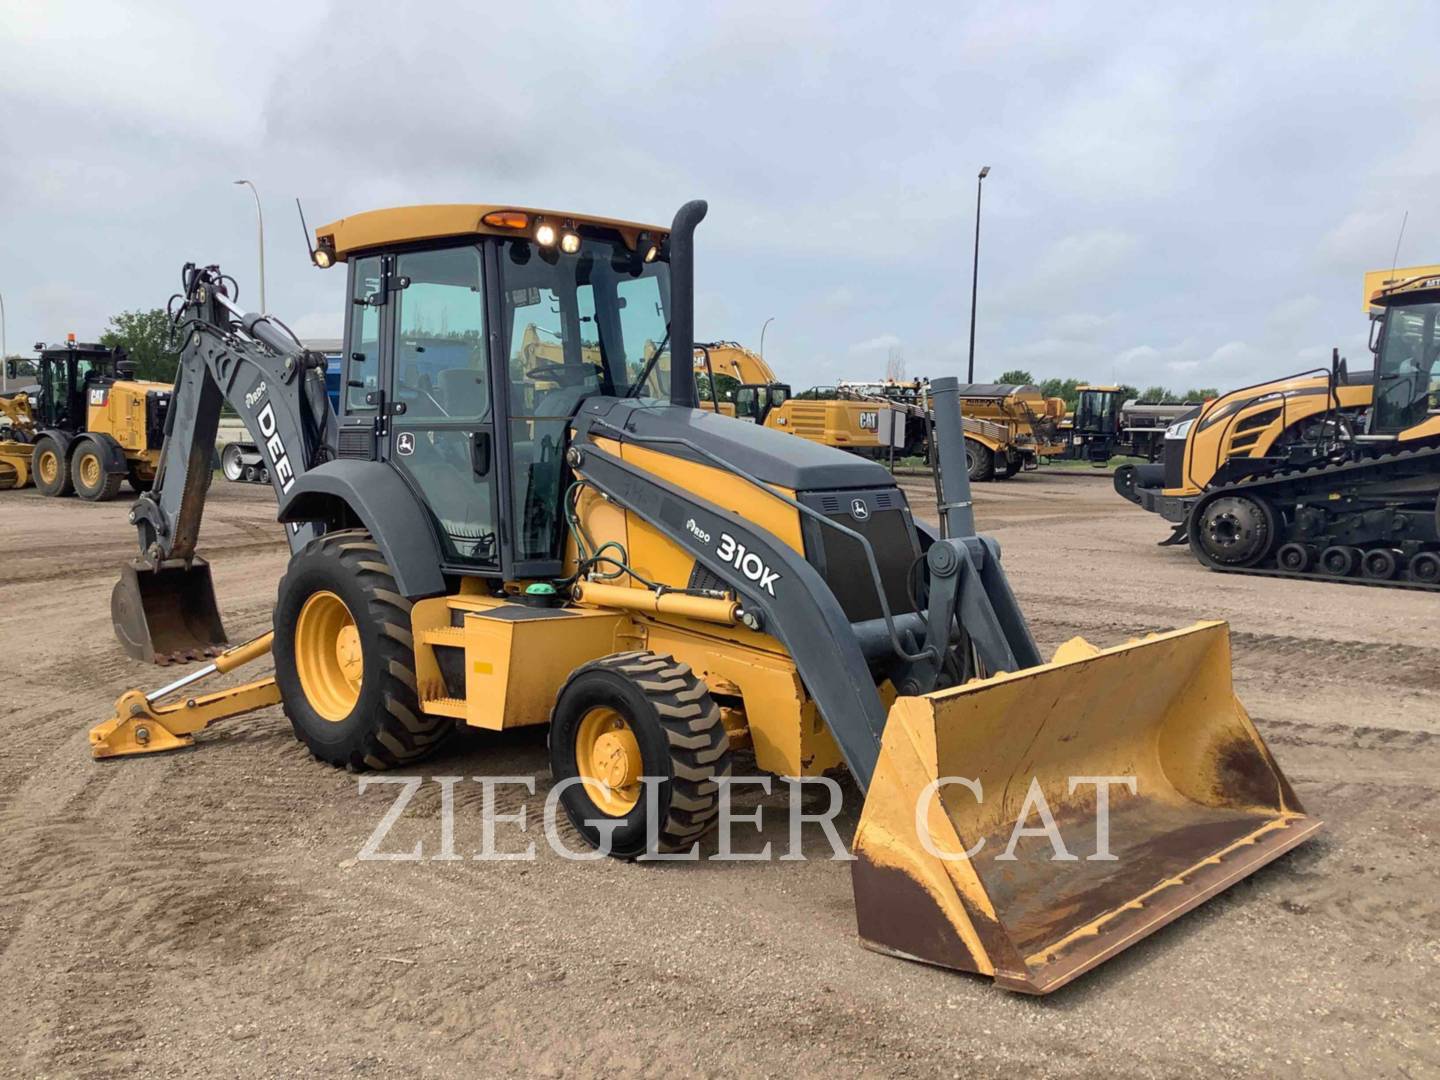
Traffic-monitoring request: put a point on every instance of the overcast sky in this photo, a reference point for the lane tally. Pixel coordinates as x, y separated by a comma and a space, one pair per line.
1187, 196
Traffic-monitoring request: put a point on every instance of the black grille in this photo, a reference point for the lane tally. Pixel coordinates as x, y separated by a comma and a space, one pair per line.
1173, 458
357, 443
883, 518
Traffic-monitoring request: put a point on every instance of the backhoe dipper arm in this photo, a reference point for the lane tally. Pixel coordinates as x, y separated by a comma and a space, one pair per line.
273, 382
163, 607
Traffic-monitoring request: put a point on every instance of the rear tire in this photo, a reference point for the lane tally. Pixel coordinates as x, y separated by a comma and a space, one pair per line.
88, 476
1341, 560
662, 721
979, 460
50, 469
340, 618
1009, 469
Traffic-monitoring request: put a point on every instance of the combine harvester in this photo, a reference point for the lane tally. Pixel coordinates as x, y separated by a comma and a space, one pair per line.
1331, 476
662, 585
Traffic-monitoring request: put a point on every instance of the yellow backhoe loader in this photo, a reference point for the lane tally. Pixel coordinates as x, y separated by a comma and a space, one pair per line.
664, 586
17, 438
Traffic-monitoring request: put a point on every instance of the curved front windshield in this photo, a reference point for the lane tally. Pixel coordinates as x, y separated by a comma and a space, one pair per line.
583, 324
1407, 376
593, 322
1095, 411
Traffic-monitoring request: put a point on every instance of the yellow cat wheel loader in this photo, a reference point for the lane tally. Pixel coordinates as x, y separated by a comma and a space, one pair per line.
664, 586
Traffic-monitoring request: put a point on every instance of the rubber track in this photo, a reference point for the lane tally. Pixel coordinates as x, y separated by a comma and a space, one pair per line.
1282, 477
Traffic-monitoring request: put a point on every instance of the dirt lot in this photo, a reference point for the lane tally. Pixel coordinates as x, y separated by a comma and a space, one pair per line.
206, 912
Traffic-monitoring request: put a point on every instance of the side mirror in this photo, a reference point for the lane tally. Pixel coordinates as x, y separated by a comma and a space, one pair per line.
12, 370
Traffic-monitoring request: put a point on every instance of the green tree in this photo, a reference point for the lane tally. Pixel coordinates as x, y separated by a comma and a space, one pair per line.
726, 384
1200, 395
145, 337
1016, 377
1157, 395
1063, 388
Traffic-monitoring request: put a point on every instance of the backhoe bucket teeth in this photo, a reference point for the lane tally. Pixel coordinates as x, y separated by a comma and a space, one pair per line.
941, 872
167, 614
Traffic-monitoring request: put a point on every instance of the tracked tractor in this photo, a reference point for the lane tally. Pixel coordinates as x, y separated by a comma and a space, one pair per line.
1332, 476
92, 426
571, 540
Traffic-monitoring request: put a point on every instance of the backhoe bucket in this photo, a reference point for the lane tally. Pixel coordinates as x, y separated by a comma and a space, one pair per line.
1099, 797
167, 614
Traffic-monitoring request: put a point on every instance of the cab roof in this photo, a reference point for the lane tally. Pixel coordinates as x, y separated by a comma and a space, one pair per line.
408, 224
1402, 289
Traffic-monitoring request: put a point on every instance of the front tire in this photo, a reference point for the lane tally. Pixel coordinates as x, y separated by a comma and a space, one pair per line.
636, 715
344, 657
49, 468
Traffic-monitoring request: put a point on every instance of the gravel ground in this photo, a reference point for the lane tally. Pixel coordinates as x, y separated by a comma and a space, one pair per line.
206, 912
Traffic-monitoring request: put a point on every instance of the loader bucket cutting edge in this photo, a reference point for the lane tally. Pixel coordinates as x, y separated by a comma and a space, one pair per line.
167, 614
1210, 806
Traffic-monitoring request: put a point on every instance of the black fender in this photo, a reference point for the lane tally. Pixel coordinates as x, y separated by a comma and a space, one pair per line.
112, 454
63, 439
339, 491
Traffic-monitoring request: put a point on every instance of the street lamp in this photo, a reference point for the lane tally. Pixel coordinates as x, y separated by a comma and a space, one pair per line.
762, 336
260, 216
4, 352
975, 270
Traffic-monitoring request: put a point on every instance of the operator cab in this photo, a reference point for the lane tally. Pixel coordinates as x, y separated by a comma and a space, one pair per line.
465, 361
754, 401
1407, 359
66, 375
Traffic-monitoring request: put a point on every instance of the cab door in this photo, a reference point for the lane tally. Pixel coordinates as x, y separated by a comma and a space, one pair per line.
440, 433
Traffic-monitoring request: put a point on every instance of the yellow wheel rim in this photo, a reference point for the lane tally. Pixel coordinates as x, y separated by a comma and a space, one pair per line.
89, 470
328, 657
608, 758
48, 466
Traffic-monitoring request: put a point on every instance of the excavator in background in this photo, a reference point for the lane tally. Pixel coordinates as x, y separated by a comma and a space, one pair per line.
91, 425
554, 541
1330, 476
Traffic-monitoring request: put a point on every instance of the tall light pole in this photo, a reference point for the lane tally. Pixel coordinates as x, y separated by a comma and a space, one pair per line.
975, 270
762, 336
4, 352
260, 217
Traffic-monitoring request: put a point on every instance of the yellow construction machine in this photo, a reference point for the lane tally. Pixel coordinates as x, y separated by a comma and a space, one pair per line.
91, 426
665, 586
17, 438
1328, 475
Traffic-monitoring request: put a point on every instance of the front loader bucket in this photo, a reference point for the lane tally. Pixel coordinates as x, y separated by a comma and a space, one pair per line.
167, 614
978, 878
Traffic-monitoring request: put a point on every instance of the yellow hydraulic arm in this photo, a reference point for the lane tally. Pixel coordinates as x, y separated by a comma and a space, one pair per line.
141, 726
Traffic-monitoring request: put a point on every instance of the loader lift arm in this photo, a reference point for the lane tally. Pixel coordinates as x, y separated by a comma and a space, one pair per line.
163, 605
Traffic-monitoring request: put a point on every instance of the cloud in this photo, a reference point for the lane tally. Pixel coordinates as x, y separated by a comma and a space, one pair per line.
884, 343
1167, 183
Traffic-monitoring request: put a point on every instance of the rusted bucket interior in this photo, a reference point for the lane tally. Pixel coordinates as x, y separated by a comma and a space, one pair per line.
1208, 806
167, 615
